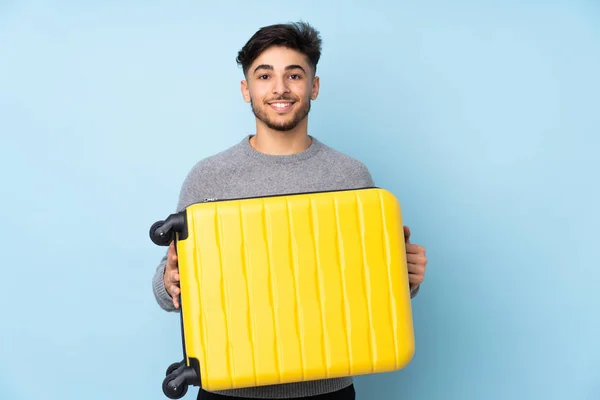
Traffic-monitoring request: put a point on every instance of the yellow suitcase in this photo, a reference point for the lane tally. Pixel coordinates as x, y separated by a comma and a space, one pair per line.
289, 288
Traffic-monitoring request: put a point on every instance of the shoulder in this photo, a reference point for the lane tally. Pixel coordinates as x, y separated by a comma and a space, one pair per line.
216, 164
207, 174
219, 164
346, 166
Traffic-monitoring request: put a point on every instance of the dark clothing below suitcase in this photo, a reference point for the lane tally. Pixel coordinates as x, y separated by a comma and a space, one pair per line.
348, 393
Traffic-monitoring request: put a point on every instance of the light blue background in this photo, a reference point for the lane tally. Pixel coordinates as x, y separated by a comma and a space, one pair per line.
482, 116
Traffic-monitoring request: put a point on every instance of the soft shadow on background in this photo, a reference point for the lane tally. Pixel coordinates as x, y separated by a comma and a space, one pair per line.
482, 117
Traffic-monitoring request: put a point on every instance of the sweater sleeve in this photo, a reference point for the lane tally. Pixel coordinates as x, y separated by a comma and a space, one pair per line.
414, 292
187, 195
362, 178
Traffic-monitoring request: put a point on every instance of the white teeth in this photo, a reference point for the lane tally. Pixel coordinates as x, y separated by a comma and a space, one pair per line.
281, 105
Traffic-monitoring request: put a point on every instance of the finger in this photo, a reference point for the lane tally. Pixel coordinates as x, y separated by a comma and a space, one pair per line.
173, 278
173, 291
416, 258
172, 252
415, 279
417, 274
416, 268
415, 249
172, 261
406, 234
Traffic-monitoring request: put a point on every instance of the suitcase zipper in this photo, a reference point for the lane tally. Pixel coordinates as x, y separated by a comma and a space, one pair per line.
213, 199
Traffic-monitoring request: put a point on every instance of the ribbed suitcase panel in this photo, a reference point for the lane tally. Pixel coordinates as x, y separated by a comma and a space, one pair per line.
296, 288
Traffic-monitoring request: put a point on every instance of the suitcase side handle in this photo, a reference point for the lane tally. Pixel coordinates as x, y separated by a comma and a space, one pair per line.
162, 233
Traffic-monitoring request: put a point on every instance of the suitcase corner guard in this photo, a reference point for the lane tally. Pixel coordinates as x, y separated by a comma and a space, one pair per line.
162, 233
179, 376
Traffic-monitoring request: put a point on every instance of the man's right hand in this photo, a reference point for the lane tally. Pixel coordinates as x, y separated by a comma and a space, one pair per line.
171, 275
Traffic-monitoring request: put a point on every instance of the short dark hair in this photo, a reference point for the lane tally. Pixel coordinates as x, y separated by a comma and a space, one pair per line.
298, 36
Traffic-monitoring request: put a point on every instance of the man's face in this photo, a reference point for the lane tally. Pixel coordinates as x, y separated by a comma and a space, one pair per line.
280, 86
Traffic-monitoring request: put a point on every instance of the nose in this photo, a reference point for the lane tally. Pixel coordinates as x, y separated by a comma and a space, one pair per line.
280, 86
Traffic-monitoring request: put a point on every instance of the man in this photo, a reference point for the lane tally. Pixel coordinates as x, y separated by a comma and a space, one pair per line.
279, 64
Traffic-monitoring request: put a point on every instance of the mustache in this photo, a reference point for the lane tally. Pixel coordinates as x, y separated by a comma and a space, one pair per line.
284, 97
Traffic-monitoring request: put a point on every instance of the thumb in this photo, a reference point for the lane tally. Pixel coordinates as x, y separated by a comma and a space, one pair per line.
171, 256
406, 234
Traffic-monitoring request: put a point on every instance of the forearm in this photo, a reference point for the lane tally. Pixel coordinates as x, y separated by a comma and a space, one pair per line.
164, 300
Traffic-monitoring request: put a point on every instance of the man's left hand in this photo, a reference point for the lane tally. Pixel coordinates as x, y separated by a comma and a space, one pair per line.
415, 257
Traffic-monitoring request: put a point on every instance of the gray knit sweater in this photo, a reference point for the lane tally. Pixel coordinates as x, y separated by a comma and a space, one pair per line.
241, 171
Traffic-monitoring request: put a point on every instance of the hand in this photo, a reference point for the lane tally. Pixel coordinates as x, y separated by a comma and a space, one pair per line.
171, 275
415, 257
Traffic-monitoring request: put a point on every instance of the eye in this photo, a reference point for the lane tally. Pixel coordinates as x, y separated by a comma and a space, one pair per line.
295, 76
263, 76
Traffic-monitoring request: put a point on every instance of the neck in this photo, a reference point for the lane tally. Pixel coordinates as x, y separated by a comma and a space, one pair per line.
274, 142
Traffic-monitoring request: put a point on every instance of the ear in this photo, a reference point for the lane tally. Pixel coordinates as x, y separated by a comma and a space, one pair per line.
245, 90
315, 88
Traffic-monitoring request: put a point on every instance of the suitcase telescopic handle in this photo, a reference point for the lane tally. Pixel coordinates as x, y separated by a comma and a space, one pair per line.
162, 233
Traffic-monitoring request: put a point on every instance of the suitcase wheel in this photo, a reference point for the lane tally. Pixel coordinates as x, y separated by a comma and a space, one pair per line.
179, 377
174, 367
174, 386
159, 237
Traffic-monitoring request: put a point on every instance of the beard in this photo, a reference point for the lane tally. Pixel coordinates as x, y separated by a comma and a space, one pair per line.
282, 126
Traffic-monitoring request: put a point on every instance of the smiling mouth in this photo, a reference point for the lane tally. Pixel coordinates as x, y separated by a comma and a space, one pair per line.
281, 106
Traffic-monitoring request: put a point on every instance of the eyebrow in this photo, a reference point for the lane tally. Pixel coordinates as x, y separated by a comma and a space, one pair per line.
270, 67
